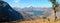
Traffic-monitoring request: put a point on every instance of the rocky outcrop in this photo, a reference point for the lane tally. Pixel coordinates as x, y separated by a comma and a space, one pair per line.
7, 13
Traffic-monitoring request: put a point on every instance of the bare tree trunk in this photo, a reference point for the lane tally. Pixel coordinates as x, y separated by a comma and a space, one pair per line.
55, 16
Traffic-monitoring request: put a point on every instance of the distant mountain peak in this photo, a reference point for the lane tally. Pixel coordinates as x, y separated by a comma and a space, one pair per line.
29, 6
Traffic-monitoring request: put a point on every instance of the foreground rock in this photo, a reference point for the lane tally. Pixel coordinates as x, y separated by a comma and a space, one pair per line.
8, 14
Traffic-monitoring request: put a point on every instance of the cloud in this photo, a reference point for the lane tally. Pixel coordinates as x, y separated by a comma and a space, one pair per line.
16, 1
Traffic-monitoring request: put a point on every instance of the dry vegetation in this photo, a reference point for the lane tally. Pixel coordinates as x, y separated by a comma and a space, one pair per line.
37, 21
40, 21
51, 20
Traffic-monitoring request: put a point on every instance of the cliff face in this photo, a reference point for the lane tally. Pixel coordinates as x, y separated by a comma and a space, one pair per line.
8, 14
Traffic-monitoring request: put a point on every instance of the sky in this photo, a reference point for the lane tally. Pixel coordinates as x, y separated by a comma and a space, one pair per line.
27, 3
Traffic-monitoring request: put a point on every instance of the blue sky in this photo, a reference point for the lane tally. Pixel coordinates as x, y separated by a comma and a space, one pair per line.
27, 3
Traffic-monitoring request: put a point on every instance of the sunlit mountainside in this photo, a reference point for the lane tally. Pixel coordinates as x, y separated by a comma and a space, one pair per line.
28, 14
32, 13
